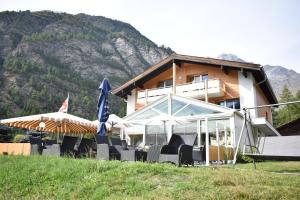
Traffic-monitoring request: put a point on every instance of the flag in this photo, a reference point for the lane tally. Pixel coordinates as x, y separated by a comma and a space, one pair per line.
65, 105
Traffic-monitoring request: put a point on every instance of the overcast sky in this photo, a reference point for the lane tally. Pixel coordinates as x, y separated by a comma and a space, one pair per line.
259, 31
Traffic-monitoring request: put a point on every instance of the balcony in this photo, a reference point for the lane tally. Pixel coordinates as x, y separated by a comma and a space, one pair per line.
215, 88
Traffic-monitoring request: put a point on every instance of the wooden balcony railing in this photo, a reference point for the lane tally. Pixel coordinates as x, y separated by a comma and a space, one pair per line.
215, 88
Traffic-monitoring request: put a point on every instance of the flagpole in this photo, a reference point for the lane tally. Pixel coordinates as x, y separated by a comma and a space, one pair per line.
68, 103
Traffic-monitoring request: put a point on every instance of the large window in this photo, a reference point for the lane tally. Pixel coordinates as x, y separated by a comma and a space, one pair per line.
186, 129
197, 78
230, 103
165, 83
155, 135
222, 126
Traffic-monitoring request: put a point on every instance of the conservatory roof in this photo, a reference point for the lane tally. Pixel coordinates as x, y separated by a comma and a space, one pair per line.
177, 107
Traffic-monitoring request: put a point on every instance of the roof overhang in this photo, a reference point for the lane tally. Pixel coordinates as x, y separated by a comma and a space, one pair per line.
166, 63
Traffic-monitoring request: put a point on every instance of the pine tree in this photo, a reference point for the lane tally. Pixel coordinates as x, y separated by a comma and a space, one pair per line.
290, 112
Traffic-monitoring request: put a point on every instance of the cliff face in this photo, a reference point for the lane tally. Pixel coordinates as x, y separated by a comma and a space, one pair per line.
280, 76
45, 55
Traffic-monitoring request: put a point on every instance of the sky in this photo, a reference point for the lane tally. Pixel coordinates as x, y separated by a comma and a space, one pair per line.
259, 31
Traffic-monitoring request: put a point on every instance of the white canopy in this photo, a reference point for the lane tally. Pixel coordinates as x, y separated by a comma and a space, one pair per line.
113, 121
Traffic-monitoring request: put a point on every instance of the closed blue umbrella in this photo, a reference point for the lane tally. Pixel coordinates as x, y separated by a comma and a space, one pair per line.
102, 108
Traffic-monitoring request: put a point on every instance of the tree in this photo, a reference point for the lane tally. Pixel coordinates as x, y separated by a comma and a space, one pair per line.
289, 112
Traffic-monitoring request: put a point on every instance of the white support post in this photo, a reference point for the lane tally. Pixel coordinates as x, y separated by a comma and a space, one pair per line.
206, 90
146, 96
206, 141
199, 132
226, 135
144, 135
238, 144
218, 141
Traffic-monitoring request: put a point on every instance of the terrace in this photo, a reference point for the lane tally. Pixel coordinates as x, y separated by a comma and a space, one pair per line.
197, 90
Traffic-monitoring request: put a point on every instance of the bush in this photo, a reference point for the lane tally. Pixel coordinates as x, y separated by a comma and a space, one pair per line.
241, 158
19, 138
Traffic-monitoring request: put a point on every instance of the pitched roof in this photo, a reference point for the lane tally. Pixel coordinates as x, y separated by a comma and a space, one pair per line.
166, 63
206, 108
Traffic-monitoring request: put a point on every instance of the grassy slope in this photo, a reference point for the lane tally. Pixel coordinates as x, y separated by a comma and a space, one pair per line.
39, 177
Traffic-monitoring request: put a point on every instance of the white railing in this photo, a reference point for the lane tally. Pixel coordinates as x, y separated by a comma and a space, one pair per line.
215, 88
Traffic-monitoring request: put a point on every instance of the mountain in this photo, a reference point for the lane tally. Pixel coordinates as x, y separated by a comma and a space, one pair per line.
280, 76
277, 75
231, 57
44, 55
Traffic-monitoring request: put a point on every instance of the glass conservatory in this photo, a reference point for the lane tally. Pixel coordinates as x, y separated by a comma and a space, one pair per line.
214, 125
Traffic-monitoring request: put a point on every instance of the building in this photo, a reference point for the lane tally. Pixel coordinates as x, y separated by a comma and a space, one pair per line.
205, 94
290, 128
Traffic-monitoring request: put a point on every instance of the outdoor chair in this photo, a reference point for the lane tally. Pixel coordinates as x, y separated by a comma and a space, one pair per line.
67, 146
84, 148
179, 150
105, 151
199, 154
153, 153
116, 148
36, 145
131, 153
49, 142
65, 149
52, 150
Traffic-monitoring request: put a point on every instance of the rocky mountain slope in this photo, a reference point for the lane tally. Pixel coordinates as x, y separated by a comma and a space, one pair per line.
277, 75
44, 55
280, 76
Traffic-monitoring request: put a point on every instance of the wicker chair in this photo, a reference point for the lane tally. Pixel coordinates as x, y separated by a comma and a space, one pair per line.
153, 153
65, 149
105, 151
52, 150
179, 150
36, 145
199, 154
67, 146
84, 148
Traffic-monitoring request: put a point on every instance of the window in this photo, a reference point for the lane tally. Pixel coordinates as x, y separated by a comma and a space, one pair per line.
155, 135
197, 78
230, 103
165, 83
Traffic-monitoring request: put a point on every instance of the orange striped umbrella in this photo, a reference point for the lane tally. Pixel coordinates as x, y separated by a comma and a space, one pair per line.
57, 122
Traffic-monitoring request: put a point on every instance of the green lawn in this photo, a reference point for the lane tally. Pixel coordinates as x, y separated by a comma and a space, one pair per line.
38, 177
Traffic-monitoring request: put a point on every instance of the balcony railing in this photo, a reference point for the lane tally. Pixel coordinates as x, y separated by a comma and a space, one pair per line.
215, 88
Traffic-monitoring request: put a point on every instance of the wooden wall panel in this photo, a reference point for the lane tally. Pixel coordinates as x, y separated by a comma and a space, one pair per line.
15, 148
261, 99
230, 80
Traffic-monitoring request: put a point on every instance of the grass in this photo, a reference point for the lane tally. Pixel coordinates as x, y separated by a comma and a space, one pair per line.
39, 177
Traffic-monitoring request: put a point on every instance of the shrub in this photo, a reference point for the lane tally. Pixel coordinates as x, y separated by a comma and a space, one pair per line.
241, 158
19, 138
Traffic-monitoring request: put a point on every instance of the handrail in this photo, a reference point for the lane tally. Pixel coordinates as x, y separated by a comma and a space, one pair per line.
178, 85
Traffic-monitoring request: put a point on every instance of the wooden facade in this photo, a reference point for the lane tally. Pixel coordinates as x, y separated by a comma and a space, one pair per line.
229, 78
262, 100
